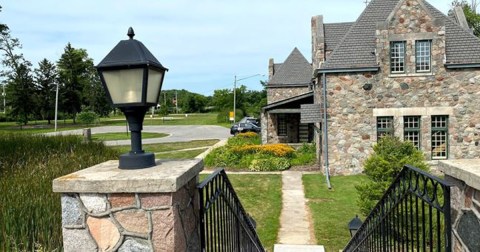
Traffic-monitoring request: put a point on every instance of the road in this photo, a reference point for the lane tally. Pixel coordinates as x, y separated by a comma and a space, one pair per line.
177, 133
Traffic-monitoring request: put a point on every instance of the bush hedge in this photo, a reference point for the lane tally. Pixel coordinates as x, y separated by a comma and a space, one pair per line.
244, 151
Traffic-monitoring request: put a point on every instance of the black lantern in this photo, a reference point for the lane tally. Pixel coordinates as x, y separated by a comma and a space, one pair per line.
132, 78
354, 225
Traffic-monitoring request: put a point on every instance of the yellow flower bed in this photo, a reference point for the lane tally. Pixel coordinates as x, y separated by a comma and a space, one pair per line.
279, 150
247, 134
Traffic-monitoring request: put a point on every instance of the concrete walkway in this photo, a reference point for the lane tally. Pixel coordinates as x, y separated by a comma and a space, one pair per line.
295, 225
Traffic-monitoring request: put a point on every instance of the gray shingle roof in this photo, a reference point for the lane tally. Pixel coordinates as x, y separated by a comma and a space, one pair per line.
356, 49
295, 70
462, 47
334, 33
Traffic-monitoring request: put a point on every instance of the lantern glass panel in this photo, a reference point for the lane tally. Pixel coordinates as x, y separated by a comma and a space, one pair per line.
153, 89
125, 86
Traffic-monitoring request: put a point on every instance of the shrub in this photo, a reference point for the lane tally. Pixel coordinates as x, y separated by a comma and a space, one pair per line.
278, 150
87, 117
248, 138
269, 164
305, 155
389, 157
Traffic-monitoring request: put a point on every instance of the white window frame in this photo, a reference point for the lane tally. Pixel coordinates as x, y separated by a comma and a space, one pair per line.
397, 57
423, 56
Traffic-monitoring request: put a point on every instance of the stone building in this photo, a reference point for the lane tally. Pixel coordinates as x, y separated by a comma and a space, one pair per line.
402, 68
289, 85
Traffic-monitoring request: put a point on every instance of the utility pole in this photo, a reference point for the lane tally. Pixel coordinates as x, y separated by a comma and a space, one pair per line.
4, 103
234, 98
56, 107
176, 102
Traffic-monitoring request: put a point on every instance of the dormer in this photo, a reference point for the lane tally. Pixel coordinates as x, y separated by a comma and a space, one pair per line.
411, 42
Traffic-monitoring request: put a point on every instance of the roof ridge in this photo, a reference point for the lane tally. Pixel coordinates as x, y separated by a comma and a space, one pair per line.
293, 70
351, 29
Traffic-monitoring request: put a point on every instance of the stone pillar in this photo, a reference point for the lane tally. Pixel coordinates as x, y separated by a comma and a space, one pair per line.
154, 209
464, 175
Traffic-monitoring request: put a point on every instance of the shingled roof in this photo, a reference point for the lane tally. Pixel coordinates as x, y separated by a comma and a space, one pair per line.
357, 48
296, 70
461, 46
334, 33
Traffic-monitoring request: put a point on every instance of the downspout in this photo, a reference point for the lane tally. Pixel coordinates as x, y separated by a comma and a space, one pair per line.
325, 131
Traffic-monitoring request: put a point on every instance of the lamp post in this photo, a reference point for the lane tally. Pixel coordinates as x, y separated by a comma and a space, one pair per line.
132, 78
235, 92
354, 225
4, 103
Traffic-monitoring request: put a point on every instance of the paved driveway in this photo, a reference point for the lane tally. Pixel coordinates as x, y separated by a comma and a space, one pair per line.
178, 133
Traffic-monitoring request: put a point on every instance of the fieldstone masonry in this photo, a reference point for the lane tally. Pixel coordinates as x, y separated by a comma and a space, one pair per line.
153, 209
464, 175
353, 108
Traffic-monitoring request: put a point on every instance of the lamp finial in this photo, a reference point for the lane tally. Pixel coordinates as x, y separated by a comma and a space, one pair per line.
130, 33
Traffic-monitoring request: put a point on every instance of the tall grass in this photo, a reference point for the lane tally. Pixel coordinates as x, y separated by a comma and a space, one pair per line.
30, 213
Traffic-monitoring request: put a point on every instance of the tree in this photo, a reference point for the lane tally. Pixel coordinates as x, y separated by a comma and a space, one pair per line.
46, 82
73, 70
194, 103
94, 96
473, 19
382, 167
18, 78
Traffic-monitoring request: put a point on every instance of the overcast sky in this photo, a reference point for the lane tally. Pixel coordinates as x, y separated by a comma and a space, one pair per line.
204, 43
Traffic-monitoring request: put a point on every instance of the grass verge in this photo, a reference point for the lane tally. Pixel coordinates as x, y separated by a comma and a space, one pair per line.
124, 136
332, 209
261, 197
186, 154
162, 147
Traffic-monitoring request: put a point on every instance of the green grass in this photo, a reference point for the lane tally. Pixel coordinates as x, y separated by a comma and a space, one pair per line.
124, 136
186, 154
163, 147
261, 197
332, 209
40, 126
30, 213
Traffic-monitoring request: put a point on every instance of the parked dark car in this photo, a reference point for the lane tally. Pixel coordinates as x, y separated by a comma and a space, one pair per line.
243, 127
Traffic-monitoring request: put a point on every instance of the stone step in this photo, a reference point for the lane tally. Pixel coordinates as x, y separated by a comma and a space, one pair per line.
298, 248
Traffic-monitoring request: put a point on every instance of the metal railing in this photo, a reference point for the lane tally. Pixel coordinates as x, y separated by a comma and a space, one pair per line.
224, 224
413, 215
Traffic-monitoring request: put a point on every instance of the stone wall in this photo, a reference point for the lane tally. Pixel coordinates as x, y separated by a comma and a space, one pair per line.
353, 108
105, 208
275, 94
131, 221
464, 175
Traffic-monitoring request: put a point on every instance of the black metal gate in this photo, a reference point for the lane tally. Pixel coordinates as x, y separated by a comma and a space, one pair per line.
224, 224
413, 215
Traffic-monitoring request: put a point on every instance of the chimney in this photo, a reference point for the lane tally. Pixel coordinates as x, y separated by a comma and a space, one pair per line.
318, 41
271, 69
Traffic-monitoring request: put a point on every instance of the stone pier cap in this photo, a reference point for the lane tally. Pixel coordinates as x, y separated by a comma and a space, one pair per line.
166, 176
467, 170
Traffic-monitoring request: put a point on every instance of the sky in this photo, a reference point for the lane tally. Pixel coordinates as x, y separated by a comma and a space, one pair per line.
203, 43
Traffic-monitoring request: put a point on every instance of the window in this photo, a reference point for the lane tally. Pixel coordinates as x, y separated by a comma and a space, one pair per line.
440, 137
384, 126
411, 130
281, 125
397, 57
422, 55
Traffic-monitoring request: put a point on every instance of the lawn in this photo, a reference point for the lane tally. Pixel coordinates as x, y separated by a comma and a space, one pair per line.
39, 126
167, 147
181, 154
332, 209
261, 197
124, 136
